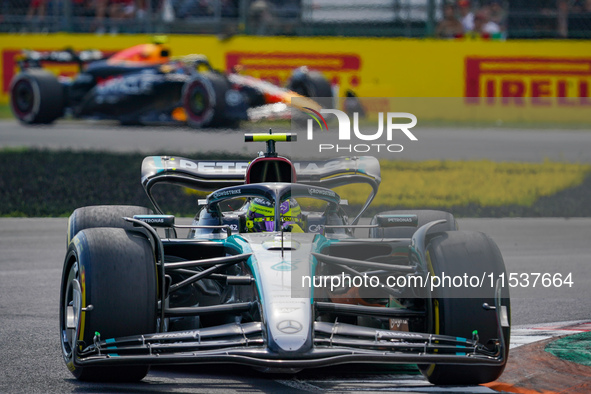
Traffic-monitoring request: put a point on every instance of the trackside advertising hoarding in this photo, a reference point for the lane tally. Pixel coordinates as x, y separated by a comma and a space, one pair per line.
537, 80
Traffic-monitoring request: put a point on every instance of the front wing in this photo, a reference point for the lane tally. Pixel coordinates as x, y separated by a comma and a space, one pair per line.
334, 343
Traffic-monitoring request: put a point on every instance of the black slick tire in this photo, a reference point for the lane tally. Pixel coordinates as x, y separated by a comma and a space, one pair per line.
36, 97
113, 270
457, 253
103, 216
204, 99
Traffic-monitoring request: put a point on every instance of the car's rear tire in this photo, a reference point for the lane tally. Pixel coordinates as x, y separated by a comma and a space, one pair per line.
113, 270
424, 216
36, 97
459, 253
204, 100
103, 216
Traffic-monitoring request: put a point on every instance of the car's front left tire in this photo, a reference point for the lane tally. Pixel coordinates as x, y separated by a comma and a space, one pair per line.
458, 310
108, 289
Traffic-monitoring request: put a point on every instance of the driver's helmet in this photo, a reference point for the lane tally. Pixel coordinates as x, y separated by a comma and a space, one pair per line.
261, 213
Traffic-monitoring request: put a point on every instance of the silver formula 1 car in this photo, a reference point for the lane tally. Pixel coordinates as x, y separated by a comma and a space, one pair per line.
255, 280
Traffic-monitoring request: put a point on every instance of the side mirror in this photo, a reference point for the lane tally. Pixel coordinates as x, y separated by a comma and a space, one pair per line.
397, 220
163, 221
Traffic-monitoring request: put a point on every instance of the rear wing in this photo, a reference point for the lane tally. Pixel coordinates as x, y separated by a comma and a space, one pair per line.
33, 59
211, 175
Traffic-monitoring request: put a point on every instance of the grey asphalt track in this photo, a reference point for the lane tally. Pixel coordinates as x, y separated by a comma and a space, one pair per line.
497, 144
31, 256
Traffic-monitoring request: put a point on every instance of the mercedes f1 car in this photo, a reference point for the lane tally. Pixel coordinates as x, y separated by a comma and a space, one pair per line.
144, 84
243, 285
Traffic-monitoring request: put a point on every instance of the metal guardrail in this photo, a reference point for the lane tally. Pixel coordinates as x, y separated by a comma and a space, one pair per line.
389, 18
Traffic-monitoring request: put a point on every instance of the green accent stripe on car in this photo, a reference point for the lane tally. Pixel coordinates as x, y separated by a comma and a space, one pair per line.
158, 163
240, 245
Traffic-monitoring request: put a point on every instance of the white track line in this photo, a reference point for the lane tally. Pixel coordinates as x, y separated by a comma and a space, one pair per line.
530, 333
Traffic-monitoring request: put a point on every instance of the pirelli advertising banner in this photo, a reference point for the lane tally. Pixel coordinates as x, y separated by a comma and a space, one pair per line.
517, 81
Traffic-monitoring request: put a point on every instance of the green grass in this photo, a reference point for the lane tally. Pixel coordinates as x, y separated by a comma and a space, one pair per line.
5, 112
45, 183
459, 183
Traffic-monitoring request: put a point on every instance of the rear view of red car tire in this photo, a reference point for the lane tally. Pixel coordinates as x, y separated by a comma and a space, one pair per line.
36, 97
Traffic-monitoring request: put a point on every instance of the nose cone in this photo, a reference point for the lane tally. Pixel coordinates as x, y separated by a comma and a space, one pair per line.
286, 306
290, 335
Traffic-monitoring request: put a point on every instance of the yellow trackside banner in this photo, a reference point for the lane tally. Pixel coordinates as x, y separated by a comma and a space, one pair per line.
515, 80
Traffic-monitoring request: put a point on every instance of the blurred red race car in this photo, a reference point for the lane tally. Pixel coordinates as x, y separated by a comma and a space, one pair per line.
143, 84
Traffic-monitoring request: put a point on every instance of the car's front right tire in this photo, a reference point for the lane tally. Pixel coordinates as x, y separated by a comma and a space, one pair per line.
108, 287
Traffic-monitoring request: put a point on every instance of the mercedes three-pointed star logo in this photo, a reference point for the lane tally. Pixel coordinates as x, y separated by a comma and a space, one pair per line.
289, 326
